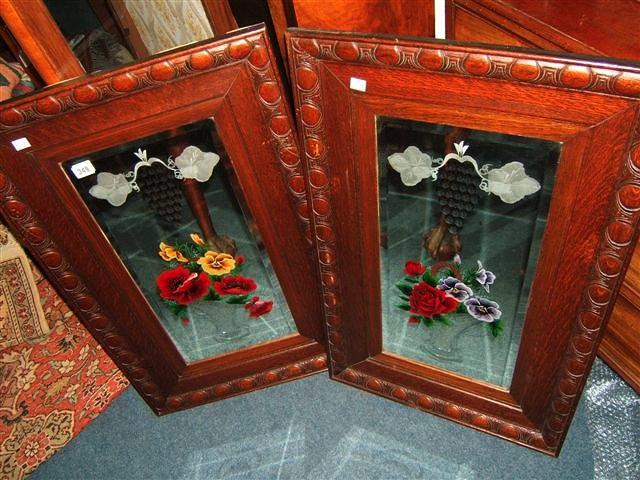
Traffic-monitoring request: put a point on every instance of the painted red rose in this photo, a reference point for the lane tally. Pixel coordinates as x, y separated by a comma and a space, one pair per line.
235, 285
240, 259
413, 320
413, 268
182, 286
428, 301
257, 307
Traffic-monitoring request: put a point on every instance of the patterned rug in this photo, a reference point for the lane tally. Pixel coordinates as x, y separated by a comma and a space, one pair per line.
51, 390
21, 315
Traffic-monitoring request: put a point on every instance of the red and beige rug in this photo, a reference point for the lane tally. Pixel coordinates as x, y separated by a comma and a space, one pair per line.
50, 388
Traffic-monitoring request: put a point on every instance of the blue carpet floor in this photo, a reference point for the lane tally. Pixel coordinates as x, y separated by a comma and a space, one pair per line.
319, 429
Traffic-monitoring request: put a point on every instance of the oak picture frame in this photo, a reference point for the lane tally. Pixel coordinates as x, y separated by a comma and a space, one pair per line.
232, 80
590, 106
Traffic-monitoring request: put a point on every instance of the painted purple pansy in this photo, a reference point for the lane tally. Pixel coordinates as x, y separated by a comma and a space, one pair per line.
483, 309
455, 288
484, 277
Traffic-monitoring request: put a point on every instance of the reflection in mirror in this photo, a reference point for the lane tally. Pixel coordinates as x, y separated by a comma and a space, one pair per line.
171, 207
105, 34
17, 76
462, 213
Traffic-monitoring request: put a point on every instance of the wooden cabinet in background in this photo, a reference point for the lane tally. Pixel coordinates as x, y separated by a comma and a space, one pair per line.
594, 27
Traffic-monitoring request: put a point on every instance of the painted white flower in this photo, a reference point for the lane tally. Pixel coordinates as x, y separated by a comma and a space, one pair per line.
412, 165
511, 183
112, 188
194, 163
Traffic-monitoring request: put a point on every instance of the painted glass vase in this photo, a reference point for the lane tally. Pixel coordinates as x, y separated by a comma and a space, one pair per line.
227, 322
446, 342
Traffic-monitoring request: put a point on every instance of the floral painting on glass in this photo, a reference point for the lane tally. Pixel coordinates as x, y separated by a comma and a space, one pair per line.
198, 273
171, 205
430, 293
462, 213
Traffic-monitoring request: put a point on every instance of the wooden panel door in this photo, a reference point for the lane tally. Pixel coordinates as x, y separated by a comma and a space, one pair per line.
167, 203
473, 221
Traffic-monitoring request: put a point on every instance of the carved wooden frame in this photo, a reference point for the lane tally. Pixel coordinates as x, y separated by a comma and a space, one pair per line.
231, 79
576, 101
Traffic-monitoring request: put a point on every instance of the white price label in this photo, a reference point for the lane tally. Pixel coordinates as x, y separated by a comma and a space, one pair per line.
358, 84
21, 143
83, 169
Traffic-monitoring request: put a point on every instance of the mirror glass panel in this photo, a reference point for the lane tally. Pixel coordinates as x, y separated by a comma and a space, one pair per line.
462, 214
106, 34
172, 209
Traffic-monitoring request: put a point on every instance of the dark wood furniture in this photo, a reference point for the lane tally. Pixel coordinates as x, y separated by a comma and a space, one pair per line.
230, 80
595, 27
603, 28
487, 89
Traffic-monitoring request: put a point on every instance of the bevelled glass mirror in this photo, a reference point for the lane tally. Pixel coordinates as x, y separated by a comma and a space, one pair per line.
462, 213
170, 205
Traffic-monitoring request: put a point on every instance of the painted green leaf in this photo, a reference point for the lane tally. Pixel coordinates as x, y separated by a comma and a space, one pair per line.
236, 299
177, 309
404, 287
427, 321
403, 306
469, 277
212, 296
496, 328
193, 267
430, 279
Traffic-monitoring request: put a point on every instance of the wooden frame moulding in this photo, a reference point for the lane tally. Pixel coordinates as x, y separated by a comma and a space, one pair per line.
231, 80
583, 104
